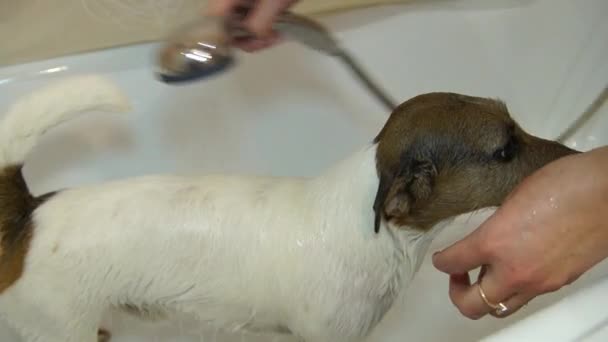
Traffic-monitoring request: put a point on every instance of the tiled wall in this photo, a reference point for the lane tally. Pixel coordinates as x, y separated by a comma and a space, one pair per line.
38, 29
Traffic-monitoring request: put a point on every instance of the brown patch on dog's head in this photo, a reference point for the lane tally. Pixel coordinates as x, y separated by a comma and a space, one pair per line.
16, 208
444, 154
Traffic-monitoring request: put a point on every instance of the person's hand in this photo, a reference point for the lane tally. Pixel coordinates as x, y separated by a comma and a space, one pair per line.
551, 229
259, 21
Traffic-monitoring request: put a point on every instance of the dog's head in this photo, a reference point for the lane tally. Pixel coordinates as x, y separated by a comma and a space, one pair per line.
444, 154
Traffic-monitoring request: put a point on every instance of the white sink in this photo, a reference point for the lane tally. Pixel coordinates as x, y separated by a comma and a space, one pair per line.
291, 111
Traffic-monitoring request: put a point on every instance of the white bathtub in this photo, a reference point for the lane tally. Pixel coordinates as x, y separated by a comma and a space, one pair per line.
291, 111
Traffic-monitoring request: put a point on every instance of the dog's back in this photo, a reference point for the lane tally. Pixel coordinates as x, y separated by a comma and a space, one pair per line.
166, 244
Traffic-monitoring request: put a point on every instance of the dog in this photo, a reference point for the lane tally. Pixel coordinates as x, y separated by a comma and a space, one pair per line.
321, 258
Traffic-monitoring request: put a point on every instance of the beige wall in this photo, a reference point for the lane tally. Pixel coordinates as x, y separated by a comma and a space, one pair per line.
36, 29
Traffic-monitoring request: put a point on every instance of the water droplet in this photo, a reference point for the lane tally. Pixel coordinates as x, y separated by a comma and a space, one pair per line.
553, 203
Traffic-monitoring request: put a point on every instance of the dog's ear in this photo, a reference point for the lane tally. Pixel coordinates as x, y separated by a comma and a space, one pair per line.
398, 194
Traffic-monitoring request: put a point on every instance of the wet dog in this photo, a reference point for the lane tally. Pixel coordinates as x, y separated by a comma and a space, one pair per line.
322, 258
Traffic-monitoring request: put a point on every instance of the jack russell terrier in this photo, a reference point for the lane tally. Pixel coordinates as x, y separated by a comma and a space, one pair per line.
321, 258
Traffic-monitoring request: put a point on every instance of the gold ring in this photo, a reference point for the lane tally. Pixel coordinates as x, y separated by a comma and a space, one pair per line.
499, 309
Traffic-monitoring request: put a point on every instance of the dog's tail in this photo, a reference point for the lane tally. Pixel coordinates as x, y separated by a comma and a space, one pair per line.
34, 114
26, 121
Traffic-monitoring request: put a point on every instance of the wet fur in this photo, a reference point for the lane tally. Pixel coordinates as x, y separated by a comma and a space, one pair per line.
323, 258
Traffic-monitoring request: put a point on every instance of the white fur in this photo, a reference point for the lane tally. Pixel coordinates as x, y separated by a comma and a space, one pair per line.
238, 252
32, 115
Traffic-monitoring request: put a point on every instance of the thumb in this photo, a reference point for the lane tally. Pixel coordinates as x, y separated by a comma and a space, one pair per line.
460, 258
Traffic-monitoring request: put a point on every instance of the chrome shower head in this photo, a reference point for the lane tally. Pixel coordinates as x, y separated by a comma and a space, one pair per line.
197, 50
203, 48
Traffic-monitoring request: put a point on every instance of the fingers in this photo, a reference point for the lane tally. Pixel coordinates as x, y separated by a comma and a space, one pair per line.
263, 16
460, 258
514, 304
252, 45
465, 296
257, 17
469, 299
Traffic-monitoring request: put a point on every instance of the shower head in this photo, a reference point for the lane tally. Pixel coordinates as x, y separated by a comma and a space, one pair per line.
198, 50
204, 48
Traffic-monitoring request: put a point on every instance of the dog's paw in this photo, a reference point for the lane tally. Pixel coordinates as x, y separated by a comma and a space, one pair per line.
103, 335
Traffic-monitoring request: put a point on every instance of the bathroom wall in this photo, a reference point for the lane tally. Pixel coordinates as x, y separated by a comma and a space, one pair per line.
38, 29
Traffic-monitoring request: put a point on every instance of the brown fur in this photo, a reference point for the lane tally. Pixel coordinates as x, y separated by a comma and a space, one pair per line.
16, 226
444, 154
103, 335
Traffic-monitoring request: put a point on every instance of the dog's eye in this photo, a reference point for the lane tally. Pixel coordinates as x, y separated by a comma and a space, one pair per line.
507, 152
